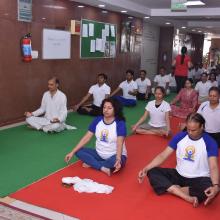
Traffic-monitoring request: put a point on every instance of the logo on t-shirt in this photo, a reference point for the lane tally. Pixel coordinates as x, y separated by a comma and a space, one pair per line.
190, 153
104, 136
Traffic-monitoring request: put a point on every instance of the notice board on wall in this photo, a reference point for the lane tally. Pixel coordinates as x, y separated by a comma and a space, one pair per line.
97, 39
56, 44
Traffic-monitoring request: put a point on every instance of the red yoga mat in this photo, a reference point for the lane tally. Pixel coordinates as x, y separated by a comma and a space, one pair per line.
128, 201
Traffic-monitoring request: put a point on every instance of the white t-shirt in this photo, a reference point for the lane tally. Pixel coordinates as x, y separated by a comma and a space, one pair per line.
172, 80
53, 107
157, 115
198, 73
218, 79
191, 73
128, 86
161, 80
210, 68
212, 117
192, 155
106, 136
99, 93
203, 88
215, 83
143, 84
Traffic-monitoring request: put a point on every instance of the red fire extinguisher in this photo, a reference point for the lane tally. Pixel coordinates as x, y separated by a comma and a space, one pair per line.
26, 48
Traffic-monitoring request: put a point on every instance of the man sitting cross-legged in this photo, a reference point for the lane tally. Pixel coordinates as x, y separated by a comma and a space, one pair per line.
99, 91
53, 108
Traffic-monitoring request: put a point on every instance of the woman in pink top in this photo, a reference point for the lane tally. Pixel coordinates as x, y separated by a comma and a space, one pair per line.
182, 63
187, 98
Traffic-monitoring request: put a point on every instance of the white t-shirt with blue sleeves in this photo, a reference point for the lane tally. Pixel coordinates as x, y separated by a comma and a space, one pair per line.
106, 136
192, 155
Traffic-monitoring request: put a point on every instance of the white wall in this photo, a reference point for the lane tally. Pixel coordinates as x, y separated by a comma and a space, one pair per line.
150, 44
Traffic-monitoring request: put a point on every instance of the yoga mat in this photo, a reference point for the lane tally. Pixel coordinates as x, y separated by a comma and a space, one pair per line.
27, 155
129, 200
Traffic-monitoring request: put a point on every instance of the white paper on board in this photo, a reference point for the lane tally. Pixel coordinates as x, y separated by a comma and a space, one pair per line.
98, 44
107, 30
112, 49
91, 29
103, 34
103, 46
85, 30
112, 30
92, 46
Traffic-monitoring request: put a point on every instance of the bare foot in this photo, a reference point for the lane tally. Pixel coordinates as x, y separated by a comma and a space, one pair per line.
165, 133
85, 165
106, 171
87, 109
207, 201
193, 200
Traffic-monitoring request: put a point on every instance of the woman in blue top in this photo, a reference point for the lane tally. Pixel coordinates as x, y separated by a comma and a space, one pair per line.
110, 130
196, 176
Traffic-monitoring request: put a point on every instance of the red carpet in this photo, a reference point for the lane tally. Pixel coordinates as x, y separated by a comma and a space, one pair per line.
129, 200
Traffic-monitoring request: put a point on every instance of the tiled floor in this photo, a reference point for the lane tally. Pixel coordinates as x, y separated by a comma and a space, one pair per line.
37, 210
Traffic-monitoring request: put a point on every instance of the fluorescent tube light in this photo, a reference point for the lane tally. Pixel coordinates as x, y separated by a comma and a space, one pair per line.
194, 3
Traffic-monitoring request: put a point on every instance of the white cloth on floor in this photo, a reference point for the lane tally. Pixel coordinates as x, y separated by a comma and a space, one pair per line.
87, 185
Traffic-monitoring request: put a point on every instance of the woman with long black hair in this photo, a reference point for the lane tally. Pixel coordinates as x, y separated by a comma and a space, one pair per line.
182, 63
110, 130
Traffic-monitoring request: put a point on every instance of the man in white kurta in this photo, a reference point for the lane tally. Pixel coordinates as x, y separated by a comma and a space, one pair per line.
53, 108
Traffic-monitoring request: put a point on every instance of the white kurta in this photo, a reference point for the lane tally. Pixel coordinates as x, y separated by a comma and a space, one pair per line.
52, 107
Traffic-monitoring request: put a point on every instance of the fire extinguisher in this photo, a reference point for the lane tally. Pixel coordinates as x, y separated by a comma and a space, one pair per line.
26, 47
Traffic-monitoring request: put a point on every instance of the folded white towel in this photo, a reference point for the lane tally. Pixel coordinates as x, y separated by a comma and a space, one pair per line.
87, 185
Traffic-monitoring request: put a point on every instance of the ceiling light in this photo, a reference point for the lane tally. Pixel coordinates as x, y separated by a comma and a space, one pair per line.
123, 11
167, 23
104, 11
101, 6
199, 31
80, 6
183, 27
54, 6
193, 3
130, 17
193, 30
146, 17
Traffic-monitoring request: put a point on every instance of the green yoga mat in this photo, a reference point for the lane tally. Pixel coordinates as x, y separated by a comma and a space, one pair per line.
27, 155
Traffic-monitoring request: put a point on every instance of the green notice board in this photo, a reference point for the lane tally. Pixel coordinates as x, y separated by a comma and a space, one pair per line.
97, 39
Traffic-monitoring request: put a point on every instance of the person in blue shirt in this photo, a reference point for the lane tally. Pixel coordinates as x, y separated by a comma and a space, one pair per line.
196, 176
110, 152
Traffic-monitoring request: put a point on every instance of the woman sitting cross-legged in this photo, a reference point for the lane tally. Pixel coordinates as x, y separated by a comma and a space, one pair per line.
158, 111
110, 130
188, 100
196, 176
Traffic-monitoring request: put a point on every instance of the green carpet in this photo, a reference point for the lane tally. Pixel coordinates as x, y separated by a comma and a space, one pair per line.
27, 155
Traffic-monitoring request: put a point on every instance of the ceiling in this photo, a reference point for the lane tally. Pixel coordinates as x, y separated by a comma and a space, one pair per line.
199, 19
166, 3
